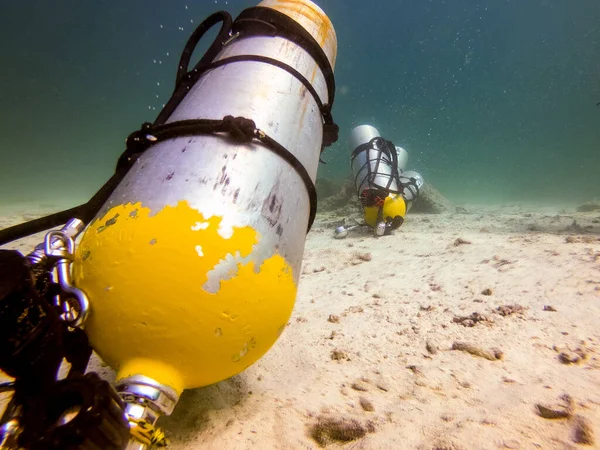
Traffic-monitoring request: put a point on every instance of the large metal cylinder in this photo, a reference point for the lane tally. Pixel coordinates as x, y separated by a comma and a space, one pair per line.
371, 167
192, 265
402, 158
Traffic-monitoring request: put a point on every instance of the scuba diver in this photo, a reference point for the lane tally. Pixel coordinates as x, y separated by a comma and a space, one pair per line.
385, 190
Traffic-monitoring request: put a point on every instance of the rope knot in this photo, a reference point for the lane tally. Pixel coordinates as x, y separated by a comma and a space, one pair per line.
240, 128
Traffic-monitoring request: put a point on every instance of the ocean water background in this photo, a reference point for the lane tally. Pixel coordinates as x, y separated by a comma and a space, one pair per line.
495, 100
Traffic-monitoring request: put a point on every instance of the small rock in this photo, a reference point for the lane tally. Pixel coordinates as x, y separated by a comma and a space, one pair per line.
556, 411
414, 369
549, 308
339, 355
364, 256
584, 433
472, 320
486, 291
329, 430
383, 386
461, 241
567, 357
431, 348
492, 354
360, 386
508, 310
366, 404
333, 318
512, 444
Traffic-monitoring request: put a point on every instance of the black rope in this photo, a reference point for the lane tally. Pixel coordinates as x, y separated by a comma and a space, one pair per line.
183, 82
383, 146
330, 129
84, 212
263, 21
239, 129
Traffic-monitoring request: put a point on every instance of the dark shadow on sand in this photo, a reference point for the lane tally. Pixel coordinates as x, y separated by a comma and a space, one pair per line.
191, 416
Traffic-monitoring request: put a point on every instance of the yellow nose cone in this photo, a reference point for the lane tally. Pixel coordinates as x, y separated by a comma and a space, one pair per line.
394, 205
151, 310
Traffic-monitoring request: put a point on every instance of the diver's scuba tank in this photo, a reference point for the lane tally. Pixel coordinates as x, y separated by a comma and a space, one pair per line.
374, 163
412, 182
192, 264
402, 156
187, 272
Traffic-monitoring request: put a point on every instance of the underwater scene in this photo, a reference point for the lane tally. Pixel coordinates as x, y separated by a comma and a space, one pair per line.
296, 224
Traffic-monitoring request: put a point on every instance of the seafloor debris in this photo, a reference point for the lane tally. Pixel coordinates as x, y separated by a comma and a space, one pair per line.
549, 308
562, 410
487, 291
583, 431
431, 347
339, 355
461, 241
333, 318
360, 385
500, 262
366, 404
581, 239
363, 256
472, 320
492, 354
509, 310
552, 412
572, 356
329, 430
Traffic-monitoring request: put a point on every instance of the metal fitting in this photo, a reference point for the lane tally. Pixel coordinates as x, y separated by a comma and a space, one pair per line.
380, 229
72, 229
145, 401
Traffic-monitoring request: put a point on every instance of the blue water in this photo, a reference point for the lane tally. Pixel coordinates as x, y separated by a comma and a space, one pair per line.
495, 100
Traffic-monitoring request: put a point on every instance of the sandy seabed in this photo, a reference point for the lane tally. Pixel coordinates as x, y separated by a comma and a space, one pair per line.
471, 330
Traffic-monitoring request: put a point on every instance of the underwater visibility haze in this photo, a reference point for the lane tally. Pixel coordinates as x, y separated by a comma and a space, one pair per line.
495, 100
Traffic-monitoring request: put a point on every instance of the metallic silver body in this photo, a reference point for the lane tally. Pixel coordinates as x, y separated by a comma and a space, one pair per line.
402, 158
59, 245
410, 193
368, 159
145, 399
243, 184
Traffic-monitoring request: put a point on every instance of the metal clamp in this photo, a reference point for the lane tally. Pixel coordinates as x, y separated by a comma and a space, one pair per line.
59, 246
145, 401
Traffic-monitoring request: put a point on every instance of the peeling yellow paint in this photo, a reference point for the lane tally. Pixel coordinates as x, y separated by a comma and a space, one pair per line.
156, 319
